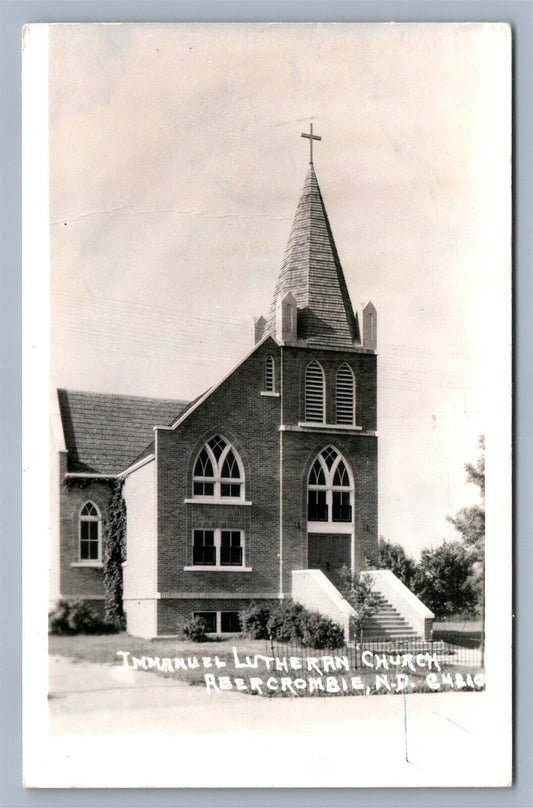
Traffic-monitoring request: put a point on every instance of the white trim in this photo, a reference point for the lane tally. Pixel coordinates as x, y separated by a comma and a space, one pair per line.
269, 393
329, 528
139, 464
205, 568
95, 564
207, 393
316, 346
217, 500
341, 427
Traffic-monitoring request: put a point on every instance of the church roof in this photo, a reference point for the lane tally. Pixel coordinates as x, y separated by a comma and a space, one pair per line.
104, 433
312, 272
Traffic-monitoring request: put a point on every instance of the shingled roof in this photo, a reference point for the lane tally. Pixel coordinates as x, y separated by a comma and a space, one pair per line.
105, 433
312, 272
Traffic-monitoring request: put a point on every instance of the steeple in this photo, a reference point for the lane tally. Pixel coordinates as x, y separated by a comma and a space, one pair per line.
311, 271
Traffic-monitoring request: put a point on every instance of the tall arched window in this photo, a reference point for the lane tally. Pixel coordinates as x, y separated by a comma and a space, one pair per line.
218, 471
314, 392
90, 533
269, 374
329, 489
345, 395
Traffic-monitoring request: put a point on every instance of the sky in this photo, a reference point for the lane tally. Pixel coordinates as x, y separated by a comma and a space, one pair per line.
176, 165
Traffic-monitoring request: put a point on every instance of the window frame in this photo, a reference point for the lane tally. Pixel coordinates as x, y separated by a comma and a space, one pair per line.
217, 480
331, 489
90, 519
218, 619
217, 544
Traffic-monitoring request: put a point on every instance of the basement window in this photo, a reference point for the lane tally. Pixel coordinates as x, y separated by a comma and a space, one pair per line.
221, 622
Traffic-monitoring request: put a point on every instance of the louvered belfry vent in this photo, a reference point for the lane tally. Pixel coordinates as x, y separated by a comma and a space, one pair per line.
345, 395
314, 392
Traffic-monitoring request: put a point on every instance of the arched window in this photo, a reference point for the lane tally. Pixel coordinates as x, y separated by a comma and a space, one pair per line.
90, 533
329, 489
345, 395
218, 471
314, 392
269, 374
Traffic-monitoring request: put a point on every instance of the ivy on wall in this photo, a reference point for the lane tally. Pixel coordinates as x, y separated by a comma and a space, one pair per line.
113, 556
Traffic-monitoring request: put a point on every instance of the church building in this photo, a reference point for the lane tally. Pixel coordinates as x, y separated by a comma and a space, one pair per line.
262, 488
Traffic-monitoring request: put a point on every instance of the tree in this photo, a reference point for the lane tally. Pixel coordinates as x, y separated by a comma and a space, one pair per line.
359, 594
443, 579
470, 522
394, 558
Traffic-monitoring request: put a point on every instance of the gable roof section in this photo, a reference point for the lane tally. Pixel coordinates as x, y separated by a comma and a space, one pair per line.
312, 272
105, 433
197, 402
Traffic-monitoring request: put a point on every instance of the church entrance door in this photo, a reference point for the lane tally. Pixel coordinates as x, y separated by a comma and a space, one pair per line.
329, 552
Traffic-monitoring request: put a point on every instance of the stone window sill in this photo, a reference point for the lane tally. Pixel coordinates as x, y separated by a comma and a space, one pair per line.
199, 568
214, 501
94, 564
269, 393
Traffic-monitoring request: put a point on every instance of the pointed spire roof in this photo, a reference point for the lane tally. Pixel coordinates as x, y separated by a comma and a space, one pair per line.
312, 272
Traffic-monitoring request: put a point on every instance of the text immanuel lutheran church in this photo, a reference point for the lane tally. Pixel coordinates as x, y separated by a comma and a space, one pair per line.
260, 489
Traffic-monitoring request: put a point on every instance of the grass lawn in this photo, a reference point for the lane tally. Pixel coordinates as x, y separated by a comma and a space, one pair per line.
190, 662
104, 647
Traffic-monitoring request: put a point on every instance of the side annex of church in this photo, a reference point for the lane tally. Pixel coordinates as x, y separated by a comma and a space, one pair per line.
261, 489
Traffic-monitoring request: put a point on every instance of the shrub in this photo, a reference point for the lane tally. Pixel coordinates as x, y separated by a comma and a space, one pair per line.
320, 632
284, 623
76, 617
254, 621
291, 622
193, 628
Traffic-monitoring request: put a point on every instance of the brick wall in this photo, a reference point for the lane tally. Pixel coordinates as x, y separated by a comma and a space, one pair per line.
84, 581
251, 423
172, 611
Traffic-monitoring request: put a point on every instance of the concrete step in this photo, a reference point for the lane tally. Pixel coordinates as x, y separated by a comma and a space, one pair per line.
387, 623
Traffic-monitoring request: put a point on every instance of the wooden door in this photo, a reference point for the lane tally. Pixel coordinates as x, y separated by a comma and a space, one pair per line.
329, 552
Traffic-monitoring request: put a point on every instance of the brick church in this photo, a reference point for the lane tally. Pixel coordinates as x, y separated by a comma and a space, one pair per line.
260, 489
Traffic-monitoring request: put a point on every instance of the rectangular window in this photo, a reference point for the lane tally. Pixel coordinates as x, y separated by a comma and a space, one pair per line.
230, 548
342, 510
210, 619
218, 548
204, 550
317, 509
220, 622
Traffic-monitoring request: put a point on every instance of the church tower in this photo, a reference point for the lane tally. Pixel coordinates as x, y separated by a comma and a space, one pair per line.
328, 387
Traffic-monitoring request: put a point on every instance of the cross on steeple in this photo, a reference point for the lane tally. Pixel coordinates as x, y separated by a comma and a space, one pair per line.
311, 138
